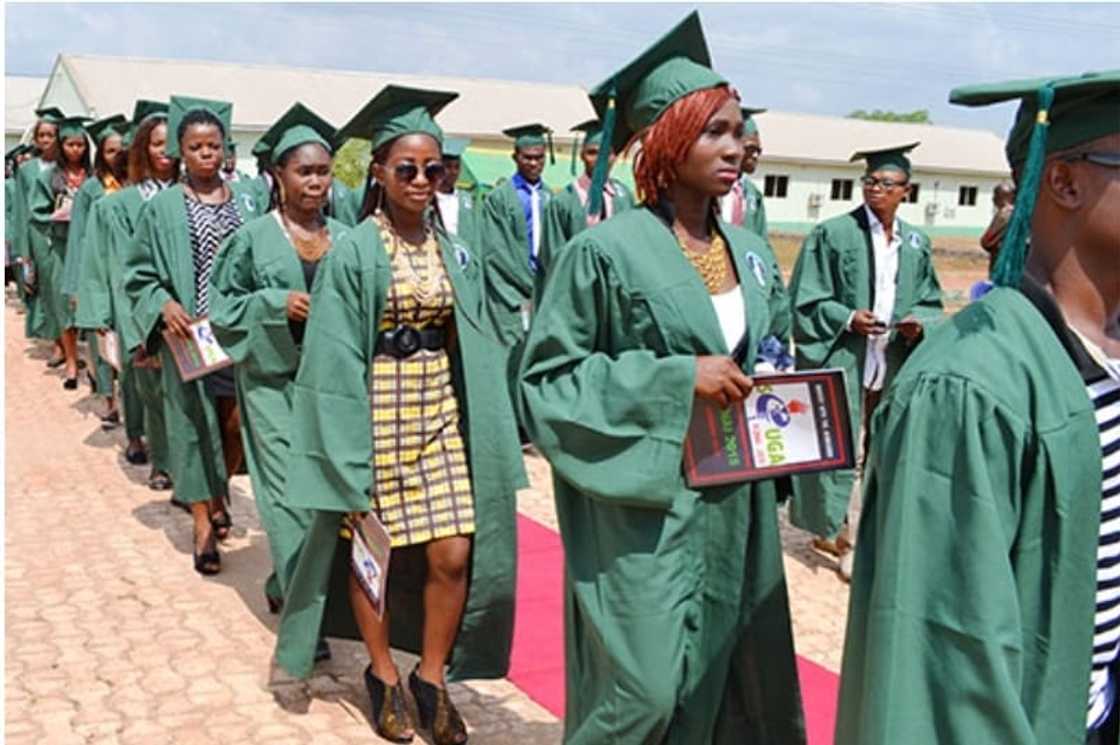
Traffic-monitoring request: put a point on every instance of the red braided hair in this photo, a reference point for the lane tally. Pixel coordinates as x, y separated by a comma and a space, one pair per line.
666, 142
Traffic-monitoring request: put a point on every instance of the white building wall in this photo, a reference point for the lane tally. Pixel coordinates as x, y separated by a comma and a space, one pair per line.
808, 198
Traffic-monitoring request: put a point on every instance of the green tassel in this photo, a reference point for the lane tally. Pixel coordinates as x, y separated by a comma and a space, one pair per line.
551, 149
602, 163
1008, 271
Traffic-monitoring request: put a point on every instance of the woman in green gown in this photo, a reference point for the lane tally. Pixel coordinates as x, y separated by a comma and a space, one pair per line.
24, 238
50, 207
167, 280
110, 165
677, 626
259, 303
395, 339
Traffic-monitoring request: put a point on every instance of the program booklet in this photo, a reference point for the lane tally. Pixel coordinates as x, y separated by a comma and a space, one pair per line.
370, 547
790, 423
200, 354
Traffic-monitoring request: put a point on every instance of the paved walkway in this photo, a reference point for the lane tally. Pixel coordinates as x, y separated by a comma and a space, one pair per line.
112, 638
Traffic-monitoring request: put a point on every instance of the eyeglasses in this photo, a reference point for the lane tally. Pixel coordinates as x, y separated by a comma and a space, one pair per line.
870, 182
409, 171
1108, 160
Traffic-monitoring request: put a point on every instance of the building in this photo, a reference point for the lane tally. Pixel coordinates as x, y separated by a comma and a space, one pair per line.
804, 171
21, 98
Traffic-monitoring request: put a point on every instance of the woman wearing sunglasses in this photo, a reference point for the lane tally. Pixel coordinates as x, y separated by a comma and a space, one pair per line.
259, 304
395, 339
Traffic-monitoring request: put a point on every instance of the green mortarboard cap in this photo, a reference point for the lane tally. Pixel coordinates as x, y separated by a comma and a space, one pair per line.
527, 135
1055, 114
180, 106
50, 114
297, 126
110, 125
454, 147
887, 158
634, 97
592, 132
750, 126
145, 108
397, 111
72, 126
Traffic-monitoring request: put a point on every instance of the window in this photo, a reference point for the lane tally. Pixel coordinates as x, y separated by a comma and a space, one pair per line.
776, 186
913, 198
967, 197
841, 189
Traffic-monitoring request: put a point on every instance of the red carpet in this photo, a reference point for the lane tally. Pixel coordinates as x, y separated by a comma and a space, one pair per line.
538, 637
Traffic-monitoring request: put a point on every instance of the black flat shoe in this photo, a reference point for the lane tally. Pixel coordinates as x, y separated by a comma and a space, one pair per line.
209, 562
437, 713
322, 650
391, 719
110, 421
222, 522
55, 362
136, 457
70, 384
160, 481
275, 605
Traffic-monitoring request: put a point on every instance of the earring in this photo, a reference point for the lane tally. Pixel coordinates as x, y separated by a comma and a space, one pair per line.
280, 192
380, 199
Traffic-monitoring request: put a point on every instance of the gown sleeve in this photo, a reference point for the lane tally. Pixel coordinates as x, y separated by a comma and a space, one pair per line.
818, 319
933, 649
928, 306
611, 420
142, 282
79, 216
505, 287
92, 283
331, 439
250, 321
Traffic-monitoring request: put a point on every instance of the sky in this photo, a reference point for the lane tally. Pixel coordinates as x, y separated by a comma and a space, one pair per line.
797, 57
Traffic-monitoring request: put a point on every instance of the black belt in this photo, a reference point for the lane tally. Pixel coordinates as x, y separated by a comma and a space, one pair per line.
405, 341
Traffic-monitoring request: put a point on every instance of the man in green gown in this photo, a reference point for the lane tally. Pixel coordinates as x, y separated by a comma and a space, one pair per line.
983, 599
744, 205
510, 231
457, 207
677, 626
566, 214
863, 291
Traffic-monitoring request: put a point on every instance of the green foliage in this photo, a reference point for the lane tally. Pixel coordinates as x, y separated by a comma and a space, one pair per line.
352, 162
920, 116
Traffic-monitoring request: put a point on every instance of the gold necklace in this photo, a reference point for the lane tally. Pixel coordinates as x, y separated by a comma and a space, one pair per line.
425, 288
309, 249
710, 264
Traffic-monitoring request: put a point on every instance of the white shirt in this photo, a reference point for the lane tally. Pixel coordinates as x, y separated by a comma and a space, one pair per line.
449, 210
535, 208
886, 285
732, 315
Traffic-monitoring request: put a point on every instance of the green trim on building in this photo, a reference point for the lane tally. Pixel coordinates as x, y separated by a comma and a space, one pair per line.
803, 228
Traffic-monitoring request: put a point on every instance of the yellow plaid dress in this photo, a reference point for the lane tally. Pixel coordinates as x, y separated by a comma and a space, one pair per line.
422, 488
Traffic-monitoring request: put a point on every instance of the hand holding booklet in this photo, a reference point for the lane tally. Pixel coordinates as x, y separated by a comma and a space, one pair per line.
370, 546
198, 355
790, 423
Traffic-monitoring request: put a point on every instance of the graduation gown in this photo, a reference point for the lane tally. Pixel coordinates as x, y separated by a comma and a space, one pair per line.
9, 212
342, 205
81, 235
834, 275
974, 588
23, 237
755, 218
330, 469
49, 254
677, 625
567, 215
159, 267
504, 245
249, 287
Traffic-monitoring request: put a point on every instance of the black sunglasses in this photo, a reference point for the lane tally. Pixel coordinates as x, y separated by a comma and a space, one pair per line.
409, 171
1108, 160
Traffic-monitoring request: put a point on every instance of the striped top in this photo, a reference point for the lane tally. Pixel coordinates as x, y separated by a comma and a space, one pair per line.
1105, 394
209, 225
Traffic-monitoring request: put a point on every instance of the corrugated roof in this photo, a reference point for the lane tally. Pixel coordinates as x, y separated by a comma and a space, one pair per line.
832, 140
261, 93
21, 98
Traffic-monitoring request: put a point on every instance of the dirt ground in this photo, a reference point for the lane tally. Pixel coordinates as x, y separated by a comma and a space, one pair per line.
960, 262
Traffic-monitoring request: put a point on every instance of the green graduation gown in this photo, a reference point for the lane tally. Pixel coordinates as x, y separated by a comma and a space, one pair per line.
49, 255
566, 216
330, 469
755, 218
504, 246
159, 267
342, 205
249, 287
80, 236
9, 212
974, 588
24, 237
834, 275
677, 626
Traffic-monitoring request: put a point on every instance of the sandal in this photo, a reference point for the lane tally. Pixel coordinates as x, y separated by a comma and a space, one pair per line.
111, 421
70, 384
208, 562
137, 456
160, 481
391, 719
222, 522
437, 713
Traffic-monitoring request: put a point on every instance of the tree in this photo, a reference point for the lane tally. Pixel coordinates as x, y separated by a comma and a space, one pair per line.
920, 116
351, 163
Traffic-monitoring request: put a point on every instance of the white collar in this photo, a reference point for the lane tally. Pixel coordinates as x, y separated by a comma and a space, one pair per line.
874, 223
